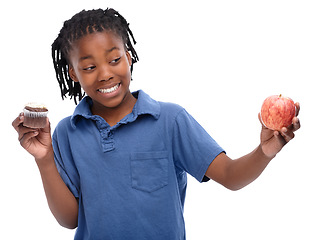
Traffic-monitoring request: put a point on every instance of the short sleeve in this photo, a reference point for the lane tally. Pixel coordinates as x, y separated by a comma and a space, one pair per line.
64, 164
193, 148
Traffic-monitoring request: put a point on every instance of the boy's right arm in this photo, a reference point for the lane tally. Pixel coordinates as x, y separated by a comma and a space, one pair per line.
38, 143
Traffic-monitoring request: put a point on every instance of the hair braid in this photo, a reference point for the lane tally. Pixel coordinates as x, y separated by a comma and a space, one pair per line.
81, 24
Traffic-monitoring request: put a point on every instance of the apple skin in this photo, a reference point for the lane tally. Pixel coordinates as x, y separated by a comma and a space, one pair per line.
277, 112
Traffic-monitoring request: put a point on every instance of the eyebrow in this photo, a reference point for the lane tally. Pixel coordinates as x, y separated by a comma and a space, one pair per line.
84, 58
89, 56
112, 49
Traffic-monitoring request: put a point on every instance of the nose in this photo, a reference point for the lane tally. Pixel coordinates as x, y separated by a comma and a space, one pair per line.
105, 73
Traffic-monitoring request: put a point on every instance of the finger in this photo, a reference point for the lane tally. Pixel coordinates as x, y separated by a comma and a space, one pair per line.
287, 134
296, 124
17, 121
22, 130
297, 108
25, 140
280, 138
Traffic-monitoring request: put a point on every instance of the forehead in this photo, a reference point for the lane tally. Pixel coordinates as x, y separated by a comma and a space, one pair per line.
95, 42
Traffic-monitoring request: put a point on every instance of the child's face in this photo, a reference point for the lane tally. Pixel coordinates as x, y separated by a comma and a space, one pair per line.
100, 63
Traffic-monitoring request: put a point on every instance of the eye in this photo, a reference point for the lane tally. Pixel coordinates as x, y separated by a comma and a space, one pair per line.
116, 60
89, 68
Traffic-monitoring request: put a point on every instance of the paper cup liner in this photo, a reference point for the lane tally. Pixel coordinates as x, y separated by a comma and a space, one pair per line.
35, 119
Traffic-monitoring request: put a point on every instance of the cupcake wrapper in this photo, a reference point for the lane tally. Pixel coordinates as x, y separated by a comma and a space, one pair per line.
31, 114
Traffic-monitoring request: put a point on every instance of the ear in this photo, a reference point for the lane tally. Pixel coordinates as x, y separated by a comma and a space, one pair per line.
129, 58
72, 73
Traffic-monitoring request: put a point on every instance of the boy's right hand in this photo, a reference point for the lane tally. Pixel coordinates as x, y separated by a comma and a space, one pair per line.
37, 142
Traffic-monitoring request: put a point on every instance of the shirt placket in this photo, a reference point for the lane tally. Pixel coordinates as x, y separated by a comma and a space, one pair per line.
107, 136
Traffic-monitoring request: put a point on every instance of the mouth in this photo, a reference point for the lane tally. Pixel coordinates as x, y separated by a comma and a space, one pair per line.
109, 90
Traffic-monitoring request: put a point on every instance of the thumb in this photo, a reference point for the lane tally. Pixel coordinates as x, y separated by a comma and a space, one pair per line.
260, 120
47, 127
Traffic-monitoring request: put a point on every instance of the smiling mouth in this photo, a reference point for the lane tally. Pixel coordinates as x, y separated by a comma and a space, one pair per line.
109, 90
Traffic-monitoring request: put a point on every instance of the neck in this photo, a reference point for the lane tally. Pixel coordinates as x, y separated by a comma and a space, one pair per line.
112, 115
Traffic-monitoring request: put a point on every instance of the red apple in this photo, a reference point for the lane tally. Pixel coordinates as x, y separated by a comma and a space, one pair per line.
277, 112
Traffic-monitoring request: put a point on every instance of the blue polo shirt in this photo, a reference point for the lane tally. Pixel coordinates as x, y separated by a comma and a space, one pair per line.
130, 179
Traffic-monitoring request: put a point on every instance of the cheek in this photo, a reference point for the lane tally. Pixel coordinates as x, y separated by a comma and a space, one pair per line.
85, 81
124, 72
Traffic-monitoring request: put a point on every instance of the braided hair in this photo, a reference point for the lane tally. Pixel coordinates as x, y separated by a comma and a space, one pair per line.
81, 24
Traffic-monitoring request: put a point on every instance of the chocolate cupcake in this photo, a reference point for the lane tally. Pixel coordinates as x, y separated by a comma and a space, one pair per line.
35, 115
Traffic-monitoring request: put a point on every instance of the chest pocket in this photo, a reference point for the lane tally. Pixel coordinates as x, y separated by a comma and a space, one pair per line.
149, 170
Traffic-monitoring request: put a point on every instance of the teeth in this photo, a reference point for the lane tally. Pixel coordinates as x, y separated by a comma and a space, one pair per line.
109, 90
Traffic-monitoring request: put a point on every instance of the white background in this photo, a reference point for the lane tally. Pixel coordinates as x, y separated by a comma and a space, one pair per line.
219, 60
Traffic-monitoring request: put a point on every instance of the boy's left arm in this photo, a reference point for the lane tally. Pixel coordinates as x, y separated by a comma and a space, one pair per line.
236, 174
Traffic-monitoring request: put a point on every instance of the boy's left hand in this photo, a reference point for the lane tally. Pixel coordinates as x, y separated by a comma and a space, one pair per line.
273, 141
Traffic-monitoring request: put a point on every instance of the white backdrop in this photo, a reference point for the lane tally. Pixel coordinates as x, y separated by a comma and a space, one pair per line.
219, 60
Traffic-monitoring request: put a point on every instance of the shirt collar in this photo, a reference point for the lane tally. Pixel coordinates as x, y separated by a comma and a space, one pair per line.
145, 105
